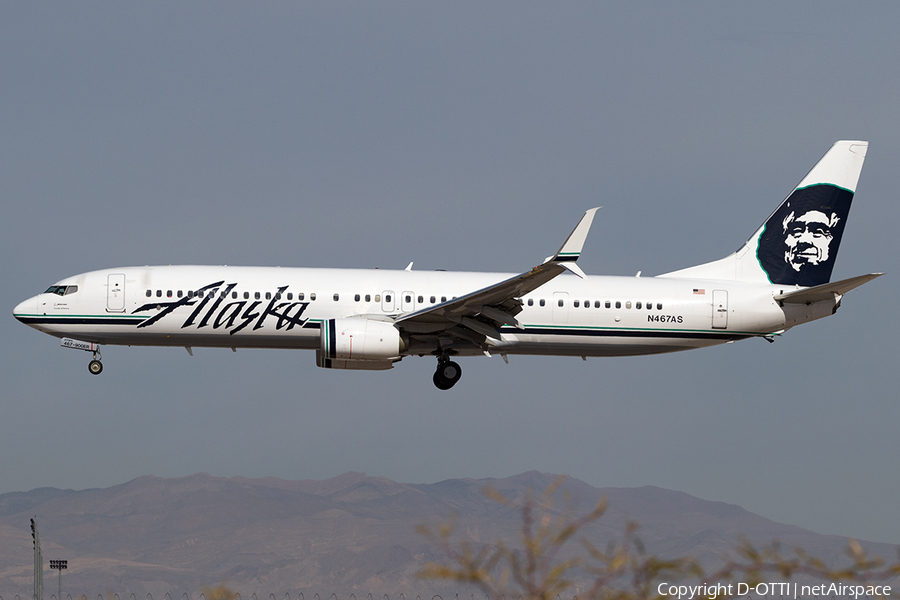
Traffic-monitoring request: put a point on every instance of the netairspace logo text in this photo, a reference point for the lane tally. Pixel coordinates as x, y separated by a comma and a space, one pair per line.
783, 589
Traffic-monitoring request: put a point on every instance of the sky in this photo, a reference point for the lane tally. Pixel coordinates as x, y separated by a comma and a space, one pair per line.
461, 136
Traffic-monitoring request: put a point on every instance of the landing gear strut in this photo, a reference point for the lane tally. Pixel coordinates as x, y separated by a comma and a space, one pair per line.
95, 366
447, 374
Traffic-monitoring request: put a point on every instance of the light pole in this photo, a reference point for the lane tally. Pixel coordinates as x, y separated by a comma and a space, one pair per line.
38, 563
59, 564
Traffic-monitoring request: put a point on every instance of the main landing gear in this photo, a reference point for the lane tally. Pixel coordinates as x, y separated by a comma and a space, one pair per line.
447, 374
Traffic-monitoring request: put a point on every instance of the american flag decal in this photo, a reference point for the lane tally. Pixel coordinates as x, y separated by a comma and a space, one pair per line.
699, 291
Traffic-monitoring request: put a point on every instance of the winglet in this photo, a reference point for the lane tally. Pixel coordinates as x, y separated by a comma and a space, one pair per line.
571, 249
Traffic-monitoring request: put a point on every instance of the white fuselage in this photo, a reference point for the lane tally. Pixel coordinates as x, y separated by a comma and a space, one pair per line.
269, 307
370, 319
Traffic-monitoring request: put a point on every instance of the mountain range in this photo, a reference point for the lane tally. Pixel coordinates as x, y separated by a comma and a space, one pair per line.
351, 534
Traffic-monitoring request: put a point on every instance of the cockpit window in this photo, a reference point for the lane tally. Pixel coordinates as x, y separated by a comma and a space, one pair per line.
62, 290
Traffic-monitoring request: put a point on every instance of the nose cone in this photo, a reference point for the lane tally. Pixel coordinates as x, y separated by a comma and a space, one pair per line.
25, 310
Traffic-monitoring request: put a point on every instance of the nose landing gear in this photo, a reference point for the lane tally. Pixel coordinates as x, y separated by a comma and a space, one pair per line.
95, 366
447, 374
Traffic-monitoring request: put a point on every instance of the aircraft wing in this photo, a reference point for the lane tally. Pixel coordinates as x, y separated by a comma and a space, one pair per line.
477, 316
826, 291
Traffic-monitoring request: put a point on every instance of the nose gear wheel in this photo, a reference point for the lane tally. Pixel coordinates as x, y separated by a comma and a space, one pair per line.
95, 367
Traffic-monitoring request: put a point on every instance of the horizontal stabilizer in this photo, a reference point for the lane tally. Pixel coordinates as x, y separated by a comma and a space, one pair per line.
825, 291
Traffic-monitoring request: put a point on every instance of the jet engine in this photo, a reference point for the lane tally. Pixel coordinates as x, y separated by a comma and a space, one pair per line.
358, 343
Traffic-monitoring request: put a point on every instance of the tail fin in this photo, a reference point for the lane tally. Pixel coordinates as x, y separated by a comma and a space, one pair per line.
798, 244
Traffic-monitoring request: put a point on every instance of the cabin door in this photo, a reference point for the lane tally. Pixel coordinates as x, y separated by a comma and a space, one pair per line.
387, 301
408, 301
115, 292
720, 309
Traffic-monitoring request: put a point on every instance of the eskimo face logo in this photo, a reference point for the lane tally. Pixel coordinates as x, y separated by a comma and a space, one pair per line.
800, 240
808, 238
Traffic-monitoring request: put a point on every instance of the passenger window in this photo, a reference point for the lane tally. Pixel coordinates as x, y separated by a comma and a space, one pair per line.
618, 304
278, 295
387, 297
312, 297
300, 296
246, 295
168, 293
337, 297
541, 302
587, 303
149, 293
421, 299
377, 297
576, 303
560, 302
200, 294
159, 293
628, 304
290, 295
659, 306
368, 298
607, 304
531, 302
638, 306
433, 299
356, 298
256, 296
268, 295
596, 304
443, 299
408, 298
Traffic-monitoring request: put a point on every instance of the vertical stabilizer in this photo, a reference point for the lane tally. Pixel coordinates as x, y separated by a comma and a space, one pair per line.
798, 243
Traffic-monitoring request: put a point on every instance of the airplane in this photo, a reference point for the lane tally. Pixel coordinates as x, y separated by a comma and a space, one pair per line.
371, 319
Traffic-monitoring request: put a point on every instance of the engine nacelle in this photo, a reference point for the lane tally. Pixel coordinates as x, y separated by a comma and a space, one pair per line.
358, 343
